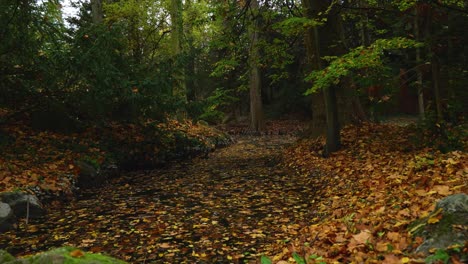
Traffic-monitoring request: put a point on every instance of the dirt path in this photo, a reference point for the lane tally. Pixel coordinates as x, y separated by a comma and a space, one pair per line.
228, 208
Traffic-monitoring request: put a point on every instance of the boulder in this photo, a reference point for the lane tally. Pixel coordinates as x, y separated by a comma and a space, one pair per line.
89, 176
7, 219
451, 228
23, 204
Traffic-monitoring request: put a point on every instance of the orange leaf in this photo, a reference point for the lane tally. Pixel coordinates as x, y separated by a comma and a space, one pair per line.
382, 246
77, 253
363, 237
393, 236
391, 259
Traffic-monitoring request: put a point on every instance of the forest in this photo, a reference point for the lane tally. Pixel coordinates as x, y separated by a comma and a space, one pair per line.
233, 131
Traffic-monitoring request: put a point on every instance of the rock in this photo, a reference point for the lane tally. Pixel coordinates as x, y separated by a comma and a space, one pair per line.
449, 230
89, 176
7, 219
20, 203
110, 170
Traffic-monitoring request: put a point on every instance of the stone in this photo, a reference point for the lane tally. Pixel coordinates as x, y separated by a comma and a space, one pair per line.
7, 218
89, 176
23, 204
451, 228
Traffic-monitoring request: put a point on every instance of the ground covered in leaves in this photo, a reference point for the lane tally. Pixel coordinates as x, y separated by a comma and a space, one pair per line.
45, 162
261, 196
231, 206
369, 192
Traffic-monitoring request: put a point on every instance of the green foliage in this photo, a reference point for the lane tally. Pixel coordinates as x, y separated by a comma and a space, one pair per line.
440, 255
265, 260
360, 58
441, 135
295, 26
210, 109
423, 162
298, 258
27, 29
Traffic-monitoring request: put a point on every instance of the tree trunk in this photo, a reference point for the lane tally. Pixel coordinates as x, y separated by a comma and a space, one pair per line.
177, 37
435, 69
419, 81
257, 122
96, 11
311, 10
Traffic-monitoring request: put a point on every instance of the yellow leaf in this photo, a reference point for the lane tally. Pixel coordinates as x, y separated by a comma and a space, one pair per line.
405, 260
433, 220
442, 189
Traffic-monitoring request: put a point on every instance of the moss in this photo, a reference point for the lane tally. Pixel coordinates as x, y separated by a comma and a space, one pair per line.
5, 256
67, 255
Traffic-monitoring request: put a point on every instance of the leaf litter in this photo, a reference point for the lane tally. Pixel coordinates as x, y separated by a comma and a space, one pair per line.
248, 200
228, 208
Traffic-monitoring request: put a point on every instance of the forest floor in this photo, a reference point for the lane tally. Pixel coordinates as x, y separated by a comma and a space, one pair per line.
262, 195
229, 207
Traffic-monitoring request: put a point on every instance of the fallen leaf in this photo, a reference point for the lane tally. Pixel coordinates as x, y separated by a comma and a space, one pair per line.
442, 189
77, 253
363, 237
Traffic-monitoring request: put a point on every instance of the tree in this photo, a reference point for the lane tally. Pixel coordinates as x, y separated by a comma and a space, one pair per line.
177, 38
96, 11
312, 9
257, 122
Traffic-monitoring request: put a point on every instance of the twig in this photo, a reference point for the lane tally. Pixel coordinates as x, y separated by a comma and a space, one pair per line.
27, 210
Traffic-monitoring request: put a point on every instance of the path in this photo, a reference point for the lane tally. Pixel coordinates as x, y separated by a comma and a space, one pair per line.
229, 208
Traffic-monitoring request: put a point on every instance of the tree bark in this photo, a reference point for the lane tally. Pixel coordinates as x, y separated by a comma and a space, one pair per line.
96, 11
419, 81
311, 10
257, 122
435, 69
177, 37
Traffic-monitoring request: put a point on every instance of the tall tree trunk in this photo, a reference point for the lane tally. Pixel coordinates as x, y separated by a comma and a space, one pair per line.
312, 8
177, 38
435, 69
419, 81
190, 68
257, 122
96, 11
435, 63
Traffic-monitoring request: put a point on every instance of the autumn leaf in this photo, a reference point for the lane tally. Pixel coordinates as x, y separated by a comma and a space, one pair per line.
77, 253
363, 237
442, 189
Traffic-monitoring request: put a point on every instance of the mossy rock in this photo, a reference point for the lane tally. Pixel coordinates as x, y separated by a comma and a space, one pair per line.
5, 256
65, 255
445, 227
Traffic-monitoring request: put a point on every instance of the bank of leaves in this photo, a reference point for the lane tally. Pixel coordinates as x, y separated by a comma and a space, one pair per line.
45, 161
369, 193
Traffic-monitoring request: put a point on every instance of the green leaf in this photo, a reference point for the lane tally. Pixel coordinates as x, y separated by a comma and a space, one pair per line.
298, 259
265, 260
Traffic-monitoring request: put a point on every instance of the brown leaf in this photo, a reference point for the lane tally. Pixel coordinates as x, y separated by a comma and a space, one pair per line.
77, 253
442, 189
363, 237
